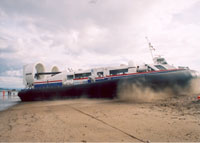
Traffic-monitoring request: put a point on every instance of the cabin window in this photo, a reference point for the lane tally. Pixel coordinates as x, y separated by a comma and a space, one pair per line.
83, 75
119, 71
69, 77
100, 74
150, 69
160, 67
162, 61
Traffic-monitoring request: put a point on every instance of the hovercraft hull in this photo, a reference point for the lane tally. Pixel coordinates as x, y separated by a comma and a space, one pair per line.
108, 88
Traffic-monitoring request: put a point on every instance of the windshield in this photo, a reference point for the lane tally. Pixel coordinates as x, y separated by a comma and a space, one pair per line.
160, 67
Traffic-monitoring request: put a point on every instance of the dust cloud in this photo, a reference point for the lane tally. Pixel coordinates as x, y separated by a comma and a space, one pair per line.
195, 86
139, 93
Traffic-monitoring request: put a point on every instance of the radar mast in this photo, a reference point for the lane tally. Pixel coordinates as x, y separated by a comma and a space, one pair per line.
151, 48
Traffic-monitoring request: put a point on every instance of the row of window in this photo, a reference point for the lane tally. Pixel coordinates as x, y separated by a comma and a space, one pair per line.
99, 74
118, 72
111, 72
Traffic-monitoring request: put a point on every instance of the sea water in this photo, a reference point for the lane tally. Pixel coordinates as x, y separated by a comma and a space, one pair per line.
7, 101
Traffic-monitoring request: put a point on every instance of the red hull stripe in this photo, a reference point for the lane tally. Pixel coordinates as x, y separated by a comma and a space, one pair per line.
142, 73
99, 78
81, 78
48, 81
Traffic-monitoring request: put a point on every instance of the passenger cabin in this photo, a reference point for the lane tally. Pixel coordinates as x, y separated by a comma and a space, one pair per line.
98, 74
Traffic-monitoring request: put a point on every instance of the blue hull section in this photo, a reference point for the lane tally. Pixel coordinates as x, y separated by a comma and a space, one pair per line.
59, 84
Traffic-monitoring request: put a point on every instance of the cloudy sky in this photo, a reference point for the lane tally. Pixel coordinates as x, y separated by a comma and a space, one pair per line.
93, 33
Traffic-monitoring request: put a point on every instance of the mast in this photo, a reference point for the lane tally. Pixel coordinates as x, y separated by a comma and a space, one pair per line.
151, 48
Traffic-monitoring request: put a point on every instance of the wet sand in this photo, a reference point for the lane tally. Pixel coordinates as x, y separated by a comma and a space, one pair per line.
84, 120
8, 101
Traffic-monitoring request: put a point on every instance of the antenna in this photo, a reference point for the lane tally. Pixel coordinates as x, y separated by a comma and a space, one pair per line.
151, 48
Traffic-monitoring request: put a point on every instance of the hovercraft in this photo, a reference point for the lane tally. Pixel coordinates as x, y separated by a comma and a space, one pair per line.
101, 82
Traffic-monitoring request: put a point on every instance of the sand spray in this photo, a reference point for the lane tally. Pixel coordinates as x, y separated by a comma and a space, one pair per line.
138, 93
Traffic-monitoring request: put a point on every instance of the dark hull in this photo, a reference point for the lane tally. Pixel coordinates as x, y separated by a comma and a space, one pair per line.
109, 88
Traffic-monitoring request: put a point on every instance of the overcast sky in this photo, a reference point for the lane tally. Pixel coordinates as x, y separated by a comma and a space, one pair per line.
93, 33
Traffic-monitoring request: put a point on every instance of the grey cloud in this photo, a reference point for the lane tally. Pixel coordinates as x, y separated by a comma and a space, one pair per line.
6, 44
8, 49
84, 32
76, 13
190, 15
51, 16
9, 64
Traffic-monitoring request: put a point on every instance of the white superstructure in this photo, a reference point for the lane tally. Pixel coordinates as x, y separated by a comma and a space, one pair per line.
36, 76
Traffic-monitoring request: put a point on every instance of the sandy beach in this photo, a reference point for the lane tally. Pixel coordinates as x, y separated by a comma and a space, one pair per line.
87, 120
